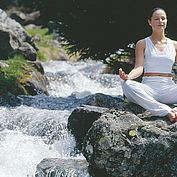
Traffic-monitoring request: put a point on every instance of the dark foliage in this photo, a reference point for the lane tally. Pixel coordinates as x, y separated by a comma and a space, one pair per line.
27, 5
97, 28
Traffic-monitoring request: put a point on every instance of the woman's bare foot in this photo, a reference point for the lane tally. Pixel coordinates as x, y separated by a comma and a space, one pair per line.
175, 110
172, 115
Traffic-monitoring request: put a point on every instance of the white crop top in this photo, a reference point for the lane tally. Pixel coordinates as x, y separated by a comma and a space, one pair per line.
156, 61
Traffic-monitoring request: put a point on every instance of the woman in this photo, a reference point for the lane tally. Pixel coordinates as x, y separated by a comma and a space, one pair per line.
155, 55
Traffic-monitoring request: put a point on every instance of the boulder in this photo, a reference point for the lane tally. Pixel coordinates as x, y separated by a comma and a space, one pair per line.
121, 144
14, 39
33, 26
9, 100
36, 83
22, 18
32, 82
62, 167
81, 119
102, 100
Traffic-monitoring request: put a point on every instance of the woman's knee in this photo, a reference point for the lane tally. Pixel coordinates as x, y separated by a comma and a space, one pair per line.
127, 85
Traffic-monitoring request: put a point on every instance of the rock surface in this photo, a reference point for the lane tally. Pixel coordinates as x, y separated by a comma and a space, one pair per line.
102, 100
82, 119
62, 167
24, 19
92, 107
14, 39
33, 80
121, 144
36, 83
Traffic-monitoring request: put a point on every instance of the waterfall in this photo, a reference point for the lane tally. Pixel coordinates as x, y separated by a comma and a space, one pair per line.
36, 129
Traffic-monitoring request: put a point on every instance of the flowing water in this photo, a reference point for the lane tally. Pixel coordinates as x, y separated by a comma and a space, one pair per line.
36, 127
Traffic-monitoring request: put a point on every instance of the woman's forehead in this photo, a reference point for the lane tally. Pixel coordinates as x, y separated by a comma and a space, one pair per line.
159, 13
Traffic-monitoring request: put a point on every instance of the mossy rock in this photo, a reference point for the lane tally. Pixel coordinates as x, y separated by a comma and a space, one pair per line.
20, 77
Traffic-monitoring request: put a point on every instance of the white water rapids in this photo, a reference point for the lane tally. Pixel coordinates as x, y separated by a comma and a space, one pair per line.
36, 128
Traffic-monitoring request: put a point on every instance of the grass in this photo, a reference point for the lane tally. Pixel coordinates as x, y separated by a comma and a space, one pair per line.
47, 49
41, 56
13, 76
44, 32
45, 35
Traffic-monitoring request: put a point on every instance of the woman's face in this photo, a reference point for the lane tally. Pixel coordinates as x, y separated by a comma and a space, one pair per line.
158, 20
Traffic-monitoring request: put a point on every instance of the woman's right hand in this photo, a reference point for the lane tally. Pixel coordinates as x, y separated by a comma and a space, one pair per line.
123, 75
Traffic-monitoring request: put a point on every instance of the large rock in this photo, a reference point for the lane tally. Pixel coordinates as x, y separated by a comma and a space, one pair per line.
82, 119
9, 100
14, 39
54, 167
36, 83
22, 18
33, 81
121, 144
102, 100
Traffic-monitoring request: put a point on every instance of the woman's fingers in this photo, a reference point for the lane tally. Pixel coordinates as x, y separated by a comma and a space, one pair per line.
120, 71
122, 74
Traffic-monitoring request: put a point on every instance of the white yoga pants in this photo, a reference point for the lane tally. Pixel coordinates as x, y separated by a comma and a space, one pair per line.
153, 93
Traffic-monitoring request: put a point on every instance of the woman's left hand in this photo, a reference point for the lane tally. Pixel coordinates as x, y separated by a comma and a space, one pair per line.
123, 75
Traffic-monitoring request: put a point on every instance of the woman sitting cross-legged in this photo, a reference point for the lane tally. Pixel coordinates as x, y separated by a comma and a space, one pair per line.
155, 55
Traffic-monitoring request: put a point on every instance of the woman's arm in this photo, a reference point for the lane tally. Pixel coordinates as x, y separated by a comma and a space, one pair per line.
139, 62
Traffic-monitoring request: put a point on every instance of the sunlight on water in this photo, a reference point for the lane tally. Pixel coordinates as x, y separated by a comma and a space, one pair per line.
22, 155
47, 124
81, 78
37, 128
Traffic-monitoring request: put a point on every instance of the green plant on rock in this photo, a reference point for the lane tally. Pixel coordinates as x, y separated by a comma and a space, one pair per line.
45, 36
41, 56
48, 48
44, 32
14, 74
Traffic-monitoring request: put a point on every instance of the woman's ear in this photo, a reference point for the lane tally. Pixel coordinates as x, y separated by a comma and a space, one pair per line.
149, 21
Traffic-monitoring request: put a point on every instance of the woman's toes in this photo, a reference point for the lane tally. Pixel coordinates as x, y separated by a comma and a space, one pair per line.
172, 116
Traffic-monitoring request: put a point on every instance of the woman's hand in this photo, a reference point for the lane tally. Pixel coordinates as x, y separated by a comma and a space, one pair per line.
123, 75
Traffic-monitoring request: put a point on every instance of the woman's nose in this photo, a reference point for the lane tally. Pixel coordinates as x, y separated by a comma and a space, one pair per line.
161, 20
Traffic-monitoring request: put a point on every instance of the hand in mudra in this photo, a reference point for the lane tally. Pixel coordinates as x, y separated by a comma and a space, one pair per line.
123, 75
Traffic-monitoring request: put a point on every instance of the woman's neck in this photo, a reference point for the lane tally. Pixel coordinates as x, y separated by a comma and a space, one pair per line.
158, 36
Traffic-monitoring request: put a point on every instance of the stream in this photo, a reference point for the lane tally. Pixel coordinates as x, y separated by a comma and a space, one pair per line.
35, 128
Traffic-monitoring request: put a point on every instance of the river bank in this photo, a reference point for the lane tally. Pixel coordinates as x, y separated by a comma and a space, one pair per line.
34, 128
21, 53
119, 139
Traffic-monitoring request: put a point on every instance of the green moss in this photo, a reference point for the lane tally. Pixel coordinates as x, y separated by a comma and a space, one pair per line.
45, 35
41, 56
44, 32
13, 76
47, 48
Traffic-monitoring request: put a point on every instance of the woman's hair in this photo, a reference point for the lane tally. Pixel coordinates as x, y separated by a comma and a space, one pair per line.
153, 10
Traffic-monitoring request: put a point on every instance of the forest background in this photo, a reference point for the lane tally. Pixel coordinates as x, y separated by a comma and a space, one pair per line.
98, 28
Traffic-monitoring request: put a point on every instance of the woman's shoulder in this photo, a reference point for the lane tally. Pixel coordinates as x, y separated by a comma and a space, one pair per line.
174, 43
141, 43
